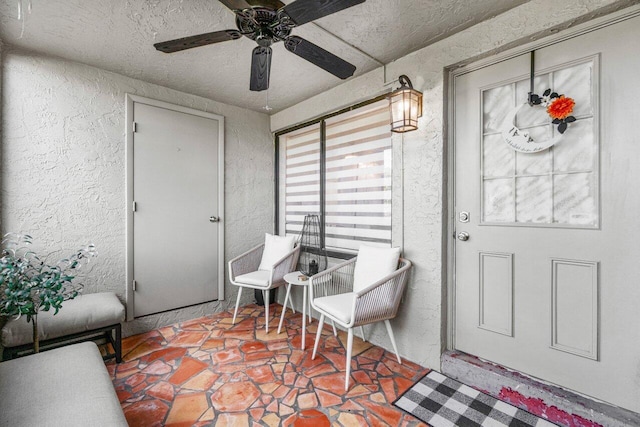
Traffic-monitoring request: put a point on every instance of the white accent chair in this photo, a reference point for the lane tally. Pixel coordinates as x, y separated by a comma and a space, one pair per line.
355, 295
263, 268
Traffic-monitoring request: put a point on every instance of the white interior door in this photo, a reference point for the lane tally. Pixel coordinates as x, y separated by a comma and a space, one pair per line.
547, 282
176, 232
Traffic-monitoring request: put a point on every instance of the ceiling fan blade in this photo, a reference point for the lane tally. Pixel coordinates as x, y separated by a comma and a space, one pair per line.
197, 41
320, 57
260, 68
235, 4
303, 11
269, 4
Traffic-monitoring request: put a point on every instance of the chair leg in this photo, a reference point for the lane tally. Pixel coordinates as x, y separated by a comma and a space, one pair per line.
265, 295
348, 364
335, 332
393, 340
235, 312
315, 346
284, 307
362, 334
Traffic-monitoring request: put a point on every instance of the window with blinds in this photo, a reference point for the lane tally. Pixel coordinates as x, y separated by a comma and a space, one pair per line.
299, 183
358, 178
340, 169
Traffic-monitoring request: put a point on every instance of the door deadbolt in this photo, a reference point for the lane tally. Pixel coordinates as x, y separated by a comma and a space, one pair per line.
463, 236
463, 216
214, 219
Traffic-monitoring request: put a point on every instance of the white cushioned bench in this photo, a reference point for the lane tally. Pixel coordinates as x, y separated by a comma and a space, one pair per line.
68, 386
83, 318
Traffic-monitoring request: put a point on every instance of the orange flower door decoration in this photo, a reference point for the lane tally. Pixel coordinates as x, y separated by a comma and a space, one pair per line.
559, 109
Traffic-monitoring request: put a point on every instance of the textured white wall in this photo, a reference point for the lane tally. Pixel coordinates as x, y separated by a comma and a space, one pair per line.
420, 327
63, 167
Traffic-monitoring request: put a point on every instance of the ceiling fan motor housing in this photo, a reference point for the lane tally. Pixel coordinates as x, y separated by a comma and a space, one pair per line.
263, 25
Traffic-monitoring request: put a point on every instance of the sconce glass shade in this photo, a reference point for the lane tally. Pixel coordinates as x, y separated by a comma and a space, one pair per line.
406, 106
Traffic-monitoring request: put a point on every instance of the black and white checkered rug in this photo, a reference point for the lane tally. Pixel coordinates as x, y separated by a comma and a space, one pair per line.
442, 402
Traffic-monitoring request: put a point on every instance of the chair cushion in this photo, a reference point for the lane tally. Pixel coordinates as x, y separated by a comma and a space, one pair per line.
275, 247
68, 386
373, 264
338, 306
83, 313
255, 278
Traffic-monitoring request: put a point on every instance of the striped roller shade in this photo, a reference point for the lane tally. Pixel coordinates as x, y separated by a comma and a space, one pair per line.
357, 182
358, 178
299, 177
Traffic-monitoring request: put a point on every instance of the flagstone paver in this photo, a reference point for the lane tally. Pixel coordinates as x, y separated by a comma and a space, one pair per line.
209, 372
187, 409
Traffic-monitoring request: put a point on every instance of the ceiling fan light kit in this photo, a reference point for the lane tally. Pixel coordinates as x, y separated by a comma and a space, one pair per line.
406, 106
271, 21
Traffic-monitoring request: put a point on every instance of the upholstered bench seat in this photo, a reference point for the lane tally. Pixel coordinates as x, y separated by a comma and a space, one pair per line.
68, 386
82, 317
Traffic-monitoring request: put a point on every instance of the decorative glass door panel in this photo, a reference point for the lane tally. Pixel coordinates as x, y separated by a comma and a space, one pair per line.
554, 187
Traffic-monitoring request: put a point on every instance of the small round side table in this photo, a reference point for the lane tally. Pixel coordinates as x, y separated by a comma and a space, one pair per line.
293, 279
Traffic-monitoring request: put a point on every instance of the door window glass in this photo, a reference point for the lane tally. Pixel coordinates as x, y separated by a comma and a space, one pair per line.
557, 186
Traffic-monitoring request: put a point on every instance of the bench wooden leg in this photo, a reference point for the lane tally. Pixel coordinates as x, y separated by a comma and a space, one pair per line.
114, 336
7, 354
117, 346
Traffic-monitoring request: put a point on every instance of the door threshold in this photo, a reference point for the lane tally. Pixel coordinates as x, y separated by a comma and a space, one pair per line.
560, 406
174, 309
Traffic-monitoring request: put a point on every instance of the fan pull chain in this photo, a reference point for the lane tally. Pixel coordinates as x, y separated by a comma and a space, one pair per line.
266, 104
22, 17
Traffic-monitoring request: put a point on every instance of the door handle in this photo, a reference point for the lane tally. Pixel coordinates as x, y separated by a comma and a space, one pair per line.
214, 219
463, 236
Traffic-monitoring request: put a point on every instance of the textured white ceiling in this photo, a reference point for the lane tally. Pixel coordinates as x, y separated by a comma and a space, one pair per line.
118, 35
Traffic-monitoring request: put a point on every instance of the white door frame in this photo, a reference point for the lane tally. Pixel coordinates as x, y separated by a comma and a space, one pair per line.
465, 67
130, 100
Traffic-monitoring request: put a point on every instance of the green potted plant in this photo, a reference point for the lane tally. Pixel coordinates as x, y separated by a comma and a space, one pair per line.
29, 284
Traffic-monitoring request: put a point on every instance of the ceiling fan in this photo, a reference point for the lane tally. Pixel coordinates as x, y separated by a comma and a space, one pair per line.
268, 22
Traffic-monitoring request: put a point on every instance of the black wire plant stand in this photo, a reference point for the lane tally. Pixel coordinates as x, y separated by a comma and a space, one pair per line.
313, 257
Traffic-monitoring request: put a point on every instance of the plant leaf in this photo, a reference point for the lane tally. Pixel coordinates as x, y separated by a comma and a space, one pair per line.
562, 127
28, 283
570, 119
556, 121
546, 92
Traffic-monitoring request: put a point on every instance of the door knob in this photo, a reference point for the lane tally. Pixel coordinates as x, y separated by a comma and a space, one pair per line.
214, 219
463, 236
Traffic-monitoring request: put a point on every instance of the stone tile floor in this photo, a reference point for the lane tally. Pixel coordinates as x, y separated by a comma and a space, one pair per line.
208, 372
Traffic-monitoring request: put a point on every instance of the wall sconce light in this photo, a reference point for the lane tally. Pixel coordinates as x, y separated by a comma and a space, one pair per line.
406, 106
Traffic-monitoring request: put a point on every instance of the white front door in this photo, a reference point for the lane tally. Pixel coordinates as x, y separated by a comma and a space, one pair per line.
548, 281
176, 236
